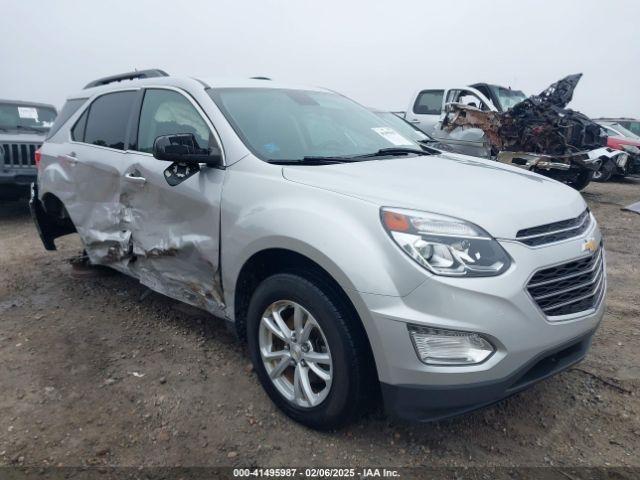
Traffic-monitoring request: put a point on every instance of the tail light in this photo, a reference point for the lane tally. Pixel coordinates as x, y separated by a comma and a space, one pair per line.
37, 156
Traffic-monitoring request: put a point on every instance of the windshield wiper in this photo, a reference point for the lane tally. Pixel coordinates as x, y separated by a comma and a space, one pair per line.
315, 161
383, 152
395, 151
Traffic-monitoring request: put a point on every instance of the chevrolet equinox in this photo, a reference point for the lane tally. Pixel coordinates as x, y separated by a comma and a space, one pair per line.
355, 262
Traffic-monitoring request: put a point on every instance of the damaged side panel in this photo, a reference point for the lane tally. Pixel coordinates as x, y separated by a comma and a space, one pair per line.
166, 237
94, 205
174, 245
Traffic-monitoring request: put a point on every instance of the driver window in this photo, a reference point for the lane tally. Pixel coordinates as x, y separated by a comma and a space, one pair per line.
166, 112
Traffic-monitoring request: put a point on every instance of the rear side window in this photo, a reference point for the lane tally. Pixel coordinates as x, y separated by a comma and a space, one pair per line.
108, 118
70, 107
429, 102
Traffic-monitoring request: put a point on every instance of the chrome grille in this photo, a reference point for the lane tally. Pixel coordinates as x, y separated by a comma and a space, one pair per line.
19, 154
571, 287
554, 232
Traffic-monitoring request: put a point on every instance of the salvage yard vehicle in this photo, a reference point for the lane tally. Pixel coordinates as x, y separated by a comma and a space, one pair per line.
631, 124
537, 133
351, 259
23, 126
619, 138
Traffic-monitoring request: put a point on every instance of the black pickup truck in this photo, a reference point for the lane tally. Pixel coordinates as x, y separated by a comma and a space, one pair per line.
23, 127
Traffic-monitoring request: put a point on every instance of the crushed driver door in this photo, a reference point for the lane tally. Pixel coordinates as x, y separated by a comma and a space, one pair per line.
174, 210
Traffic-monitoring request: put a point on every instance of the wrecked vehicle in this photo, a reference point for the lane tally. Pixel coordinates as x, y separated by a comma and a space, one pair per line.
23, 126
350, 259
619, 138
536, 133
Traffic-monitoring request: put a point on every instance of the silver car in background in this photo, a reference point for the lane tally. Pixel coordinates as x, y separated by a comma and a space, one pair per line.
351, 258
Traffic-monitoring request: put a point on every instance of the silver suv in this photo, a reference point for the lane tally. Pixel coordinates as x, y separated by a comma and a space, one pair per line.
352, 260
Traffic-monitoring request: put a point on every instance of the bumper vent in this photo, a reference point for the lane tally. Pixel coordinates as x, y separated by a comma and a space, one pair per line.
570, 288
18, 155
555, 232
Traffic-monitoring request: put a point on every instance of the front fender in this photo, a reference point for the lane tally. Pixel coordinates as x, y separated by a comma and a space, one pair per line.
340, 233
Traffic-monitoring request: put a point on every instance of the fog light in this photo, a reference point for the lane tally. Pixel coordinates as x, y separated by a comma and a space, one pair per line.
449, 347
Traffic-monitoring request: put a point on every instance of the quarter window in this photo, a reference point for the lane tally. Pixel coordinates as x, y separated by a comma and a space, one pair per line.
166, 112
107, 122
70, 107
77, 132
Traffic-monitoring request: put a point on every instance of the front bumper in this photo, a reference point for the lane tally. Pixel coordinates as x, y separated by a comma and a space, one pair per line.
529, 346
431, 403
15, 184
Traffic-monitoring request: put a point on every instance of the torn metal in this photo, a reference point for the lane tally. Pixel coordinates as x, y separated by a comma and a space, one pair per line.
539, 133
539, 124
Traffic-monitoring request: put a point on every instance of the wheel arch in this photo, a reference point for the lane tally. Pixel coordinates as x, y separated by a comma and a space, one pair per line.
269, 261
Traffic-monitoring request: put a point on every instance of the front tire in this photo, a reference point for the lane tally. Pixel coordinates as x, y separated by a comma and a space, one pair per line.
308, 350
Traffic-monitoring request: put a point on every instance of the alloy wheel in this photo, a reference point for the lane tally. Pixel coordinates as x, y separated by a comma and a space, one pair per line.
295, 354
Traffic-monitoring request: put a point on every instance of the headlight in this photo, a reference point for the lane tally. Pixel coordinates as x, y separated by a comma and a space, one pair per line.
449, 347
445, 245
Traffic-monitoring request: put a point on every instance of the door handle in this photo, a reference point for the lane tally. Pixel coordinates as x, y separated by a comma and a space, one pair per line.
414, 120
71, 159
133, 178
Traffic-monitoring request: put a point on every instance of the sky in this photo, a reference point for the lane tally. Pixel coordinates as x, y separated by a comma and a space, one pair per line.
376, 52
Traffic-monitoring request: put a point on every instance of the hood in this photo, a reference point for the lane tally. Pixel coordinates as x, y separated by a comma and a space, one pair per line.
499, 198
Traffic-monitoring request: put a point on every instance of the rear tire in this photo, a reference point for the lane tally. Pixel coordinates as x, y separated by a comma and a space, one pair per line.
338, 334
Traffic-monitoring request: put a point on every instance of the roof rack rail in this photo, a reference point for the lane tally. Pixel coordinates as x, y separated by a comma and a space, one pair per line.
151, 73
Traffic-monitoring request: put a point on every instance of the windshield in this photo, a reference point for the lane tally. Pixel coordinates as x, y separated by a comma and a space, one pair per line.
283, 124
621, 131
403, 127
508, 98
14, 117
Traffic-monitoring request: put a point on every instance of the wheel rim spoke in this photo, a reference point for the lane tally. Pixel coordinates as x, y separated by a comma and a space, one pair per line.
319, 372
306, 385
297, 387
274, 329
298, 318
318, 357
280, 368
270, 356
281, 325
306, 331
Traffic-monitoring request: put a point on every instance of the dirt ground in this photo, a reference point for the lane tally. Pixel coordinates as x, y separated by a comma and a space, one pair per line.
96, 372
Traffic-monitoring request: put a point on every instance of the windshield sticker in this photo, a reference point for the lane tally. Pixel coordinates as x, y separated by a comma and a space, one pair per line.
271, 147
28, 112
390, 135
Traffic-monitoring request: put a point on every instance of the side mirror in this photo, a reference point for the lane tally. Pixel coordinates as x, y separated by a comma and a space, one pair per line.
184, 148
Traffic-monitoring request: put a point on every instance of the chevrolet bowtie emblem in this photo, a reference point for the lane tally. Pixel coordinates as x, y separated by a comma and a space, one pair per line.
590, 245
